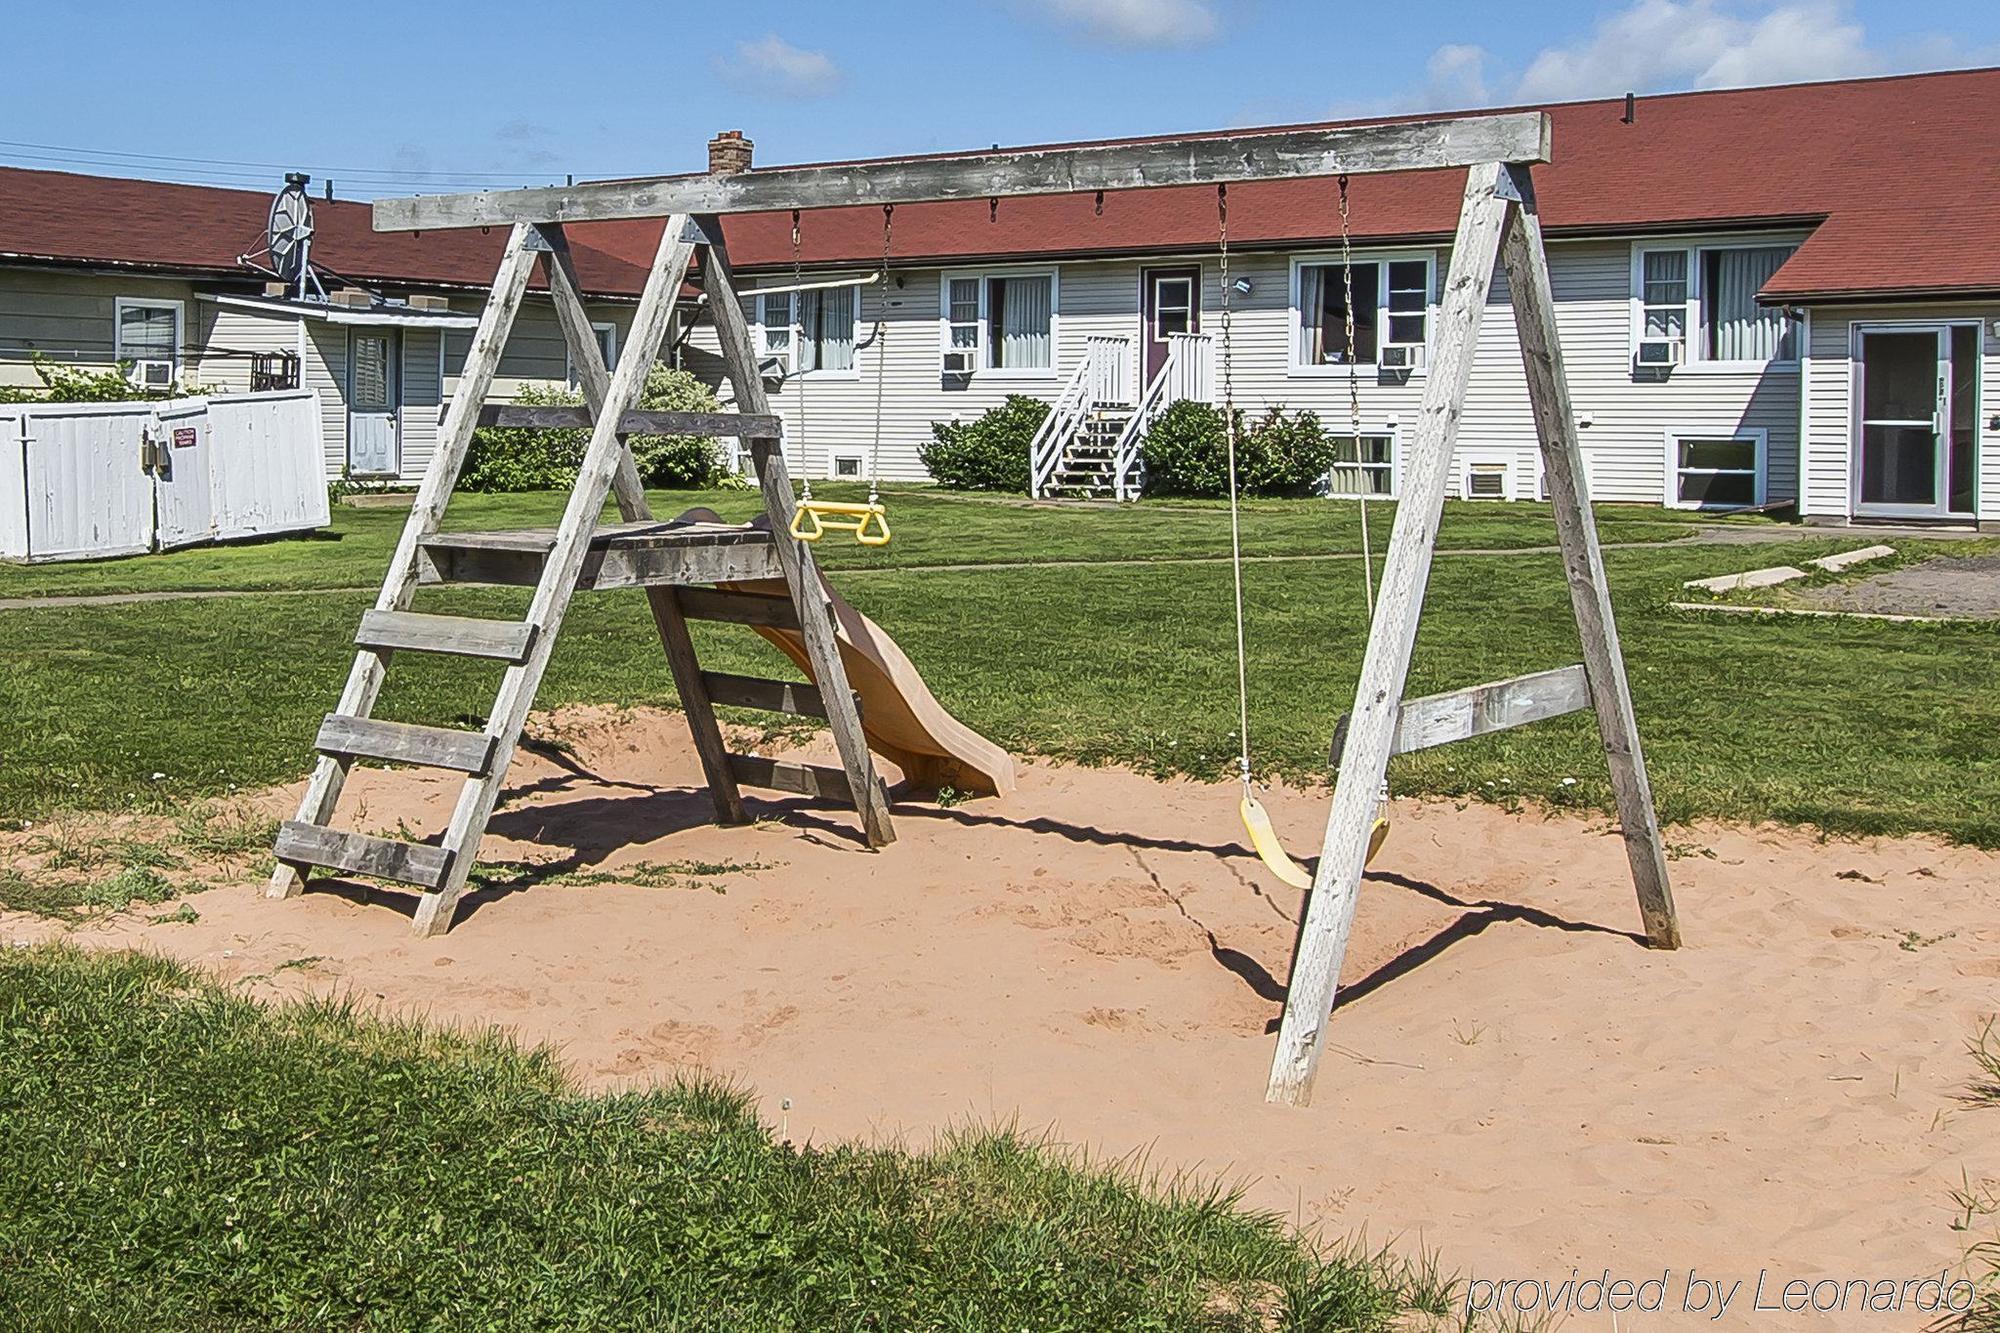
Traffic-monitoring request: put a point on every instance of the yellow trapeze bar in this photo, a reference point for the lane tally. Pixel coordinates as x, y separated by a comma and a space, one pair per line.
815, 518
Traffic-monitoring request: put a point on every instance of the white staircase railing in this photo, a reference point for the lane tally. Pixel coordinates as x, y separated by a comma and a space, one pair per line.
1187, 373
1102, 379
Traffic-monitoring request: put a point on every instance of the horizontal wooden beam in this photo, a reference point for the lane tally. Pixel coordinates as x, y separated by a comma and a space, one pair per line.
502, 640
739, 608
816, 780
1418, 145
726, 425
1458, 715
405, 743
418, 863
773, 696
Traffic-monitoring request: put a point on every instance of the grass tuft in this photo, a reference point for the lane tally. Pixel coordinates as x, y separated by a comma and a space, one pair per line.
180, 1157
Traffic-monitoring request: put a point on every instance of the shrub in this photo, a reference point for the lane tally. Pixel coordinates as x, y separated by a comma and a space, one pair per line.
512, 459
988, 454
676, 461
1187, 453
78, 384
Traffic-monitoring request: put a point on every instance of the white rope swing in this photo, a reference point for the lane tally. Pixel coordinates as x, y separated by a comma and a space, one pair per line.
1256, 820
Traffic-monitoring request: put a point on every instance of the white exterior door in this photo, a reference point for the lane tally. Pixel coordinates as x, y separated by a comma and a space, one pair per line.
1916, 427
374, 395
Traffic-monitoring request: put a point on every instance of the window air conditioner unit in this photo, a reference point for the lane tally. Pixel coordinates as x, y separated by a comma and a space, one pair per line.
153, 374
1661, 352
958, 361
1399, 356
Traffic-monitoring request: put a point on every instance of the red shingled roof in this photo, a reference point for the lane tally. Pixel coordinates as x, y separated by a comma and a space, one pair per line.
1907, 169
1904, 171
104, 220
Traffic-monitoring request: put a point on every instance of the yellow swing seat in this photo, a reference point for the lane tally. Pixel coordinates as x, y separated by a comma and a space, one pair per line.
869, 522
1264, 838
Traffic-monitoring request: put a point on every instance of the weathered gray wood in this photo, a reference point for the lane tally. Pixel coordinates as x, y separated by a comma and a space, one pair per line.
300, 844
1500, 705
364, 679
1353, 150
739, 608
773, 696
821, 781
816, 628
1385, 667
601, 460
1583, 563
638, 421
405, 743
502, 640
641, 561
653, 567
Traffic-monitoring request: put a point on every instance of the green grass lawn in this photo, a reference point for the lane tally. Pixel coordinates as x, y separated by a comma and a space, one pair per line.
932, 527
179, 1158
1858, 727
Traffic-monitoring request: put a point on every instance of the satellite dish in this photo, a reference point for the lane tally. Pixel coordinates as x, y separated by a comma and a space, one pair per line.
288, 239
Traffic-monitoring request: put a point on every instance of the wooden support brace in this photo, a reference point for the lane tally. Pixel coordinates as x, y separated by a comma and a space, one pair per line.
1534, 303
1477, 710
1385, 667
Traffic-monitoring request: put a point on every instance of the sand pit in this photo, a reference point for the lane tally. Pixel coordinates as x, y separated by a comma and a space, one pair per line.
1512, 1079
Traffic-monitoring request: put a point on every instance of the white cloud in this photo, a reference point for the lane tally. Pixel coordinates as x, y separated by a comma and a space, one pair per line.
1137, 22
1668, 45
774, 67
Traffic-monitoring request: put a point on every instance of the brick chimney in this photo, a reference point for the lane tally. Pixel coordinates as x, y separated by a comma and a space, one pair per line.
729, 153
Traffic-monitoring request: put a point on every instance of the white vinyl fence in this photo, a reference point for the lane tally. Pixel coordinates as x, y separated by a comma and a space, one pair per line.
81, 481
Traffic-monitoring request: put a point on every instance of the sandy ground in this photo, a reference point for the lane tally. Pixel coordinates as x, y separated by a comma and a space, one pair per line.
1946, 586
1513, 1079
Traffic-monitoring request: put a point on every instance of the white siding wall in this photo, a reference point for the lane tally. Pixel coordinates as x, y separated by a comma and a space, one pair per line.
423, 399
232, 329
1625, 445
535, 354
323, 368
68, 317
1829, 402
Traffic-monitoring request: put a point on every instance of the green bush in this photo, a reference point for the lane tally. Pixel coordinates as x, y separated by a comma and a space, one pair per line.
78, 384
1186, 453
988, 454
512, 459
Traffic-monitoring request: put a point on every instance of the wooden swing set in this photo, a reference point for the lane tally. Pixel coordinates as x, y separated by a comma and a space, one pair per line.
762, 574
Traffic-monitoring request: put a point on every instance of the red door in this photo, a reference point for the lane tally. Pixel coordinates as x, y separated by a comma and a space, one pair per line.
1170, 302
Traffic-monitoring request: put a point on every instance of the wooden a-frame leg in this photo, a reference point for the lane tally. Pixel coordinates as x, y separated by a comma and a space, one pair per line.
557, 585
1583, 562
399, 586
630, 494
739, 361
1385, 668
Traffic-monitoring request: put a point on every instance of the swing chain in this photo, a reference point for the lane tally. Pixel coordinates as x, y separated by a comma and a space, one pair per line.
794, 367
1235, 522
881, 355
1354, 400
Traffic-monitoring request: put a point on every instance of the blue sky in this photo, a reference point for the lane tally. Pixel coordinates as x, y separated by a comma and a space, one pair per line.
391, 97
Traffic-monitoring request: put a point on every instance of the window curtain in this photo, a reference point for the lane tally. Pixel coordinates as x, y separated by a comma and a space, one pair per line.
1739, 328
1312, 315
828, 317
1023, 307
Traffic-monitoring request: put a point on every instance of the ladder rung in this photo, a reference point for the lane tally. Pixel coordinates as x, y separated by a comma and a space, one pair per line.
738, 608
502, 640
775, 696
739, 425
416, 863
403, 743
800, 779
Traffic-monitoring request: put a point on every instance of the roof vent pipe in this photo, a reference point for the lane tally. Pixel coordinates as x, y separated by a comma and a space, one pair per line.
1631, 108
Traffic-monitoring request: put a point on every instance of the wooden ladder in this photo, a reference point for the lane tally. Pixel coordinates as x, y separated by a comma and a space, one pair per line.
661, 557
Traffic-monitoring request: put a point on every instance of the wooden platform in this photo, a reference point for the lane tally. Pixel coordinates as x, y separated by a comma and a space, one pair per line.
621, 555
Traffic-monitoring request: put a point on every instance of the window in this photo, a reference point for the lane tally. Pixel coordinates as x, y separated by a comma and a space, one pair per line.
607, 347
1392, 313
1715, 471
1002, 321
1363, 467
817, 325
1485, 481
846, 465
148, 335
1696, 304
